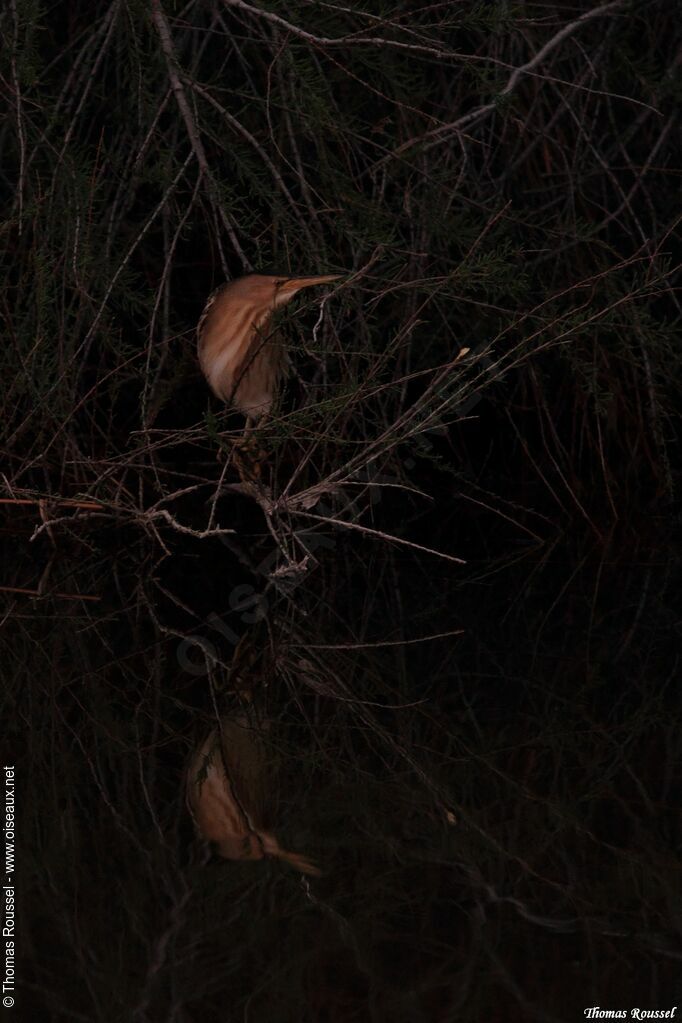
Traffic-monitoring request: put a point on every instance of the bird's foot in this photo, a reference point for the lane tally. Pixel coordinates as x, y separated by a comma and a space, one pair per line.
249, 459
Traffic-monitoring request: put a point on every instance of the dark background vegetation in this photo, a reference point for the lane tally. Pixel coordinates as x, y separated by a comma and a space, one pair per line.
495, 810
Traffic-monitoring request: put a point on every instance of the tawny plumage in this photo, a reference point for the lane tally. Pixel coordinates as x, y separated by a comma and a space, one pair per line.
226, 795
242, 358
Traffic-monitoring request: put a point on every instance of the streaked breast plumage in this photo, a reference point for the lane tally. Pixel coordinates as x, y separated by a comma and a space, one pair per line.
242, 357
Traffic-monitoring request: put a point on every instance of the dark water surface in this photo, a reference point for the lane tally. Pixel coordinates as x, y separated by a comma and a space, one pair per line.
495, 813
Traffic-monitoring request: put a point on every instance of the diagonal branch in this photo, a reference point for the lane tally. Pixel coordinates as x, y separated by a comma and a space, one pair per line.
476, 115
159, 19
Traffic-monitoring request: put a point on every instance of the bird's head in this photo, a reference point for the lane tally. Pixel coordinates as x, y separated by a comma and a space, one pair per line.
274, 290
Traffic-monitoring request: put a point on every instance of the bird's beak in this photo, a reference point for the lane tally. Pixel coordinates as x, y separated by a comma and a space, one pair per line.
297, 283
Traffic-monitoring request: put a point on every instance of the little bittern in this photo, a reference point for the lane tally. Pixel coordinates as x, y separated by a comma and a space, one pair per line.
241, 358
227, 787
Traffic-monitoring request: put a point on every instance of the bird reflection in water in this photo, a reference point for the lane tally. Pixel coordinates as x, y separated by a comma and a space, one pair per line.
226, 795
